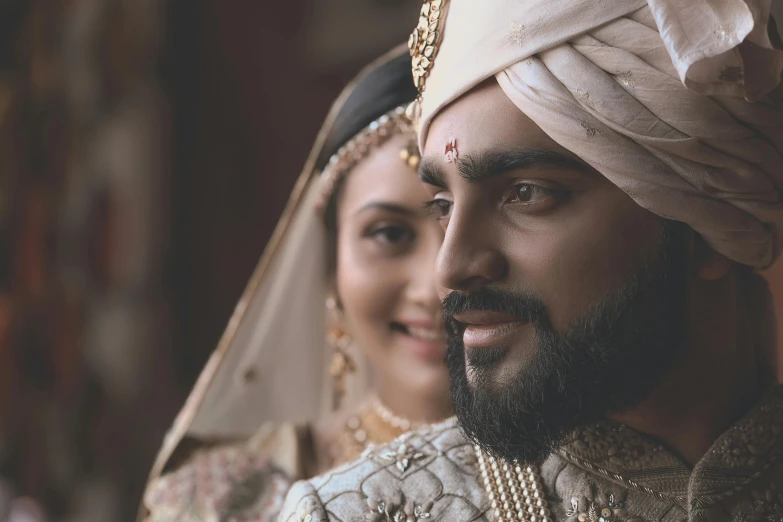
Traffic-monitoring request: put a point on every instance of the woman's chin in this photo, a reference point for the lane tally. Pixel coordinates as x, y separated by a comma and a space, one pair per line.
422, 366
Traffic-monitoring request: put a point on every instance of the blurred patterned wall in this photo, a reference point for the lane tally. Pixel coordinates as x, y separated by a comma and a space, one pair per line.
85, 310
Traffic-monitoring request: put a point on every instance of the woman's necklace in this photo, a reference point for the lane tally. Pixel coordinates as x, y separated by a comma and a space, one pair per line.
389, 417
514, 489
374, 424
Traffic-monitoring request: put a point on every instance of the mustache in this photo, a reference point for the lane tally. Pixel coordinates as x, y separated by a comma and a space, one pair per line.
525, 306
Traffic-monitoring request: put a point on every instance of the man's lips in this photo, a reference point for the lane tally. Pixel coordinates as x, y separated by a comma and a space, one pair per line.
488, 329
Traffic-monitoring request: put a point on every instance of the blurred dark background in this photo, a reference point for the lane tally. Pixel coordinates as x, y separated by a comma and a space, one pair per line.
146, 150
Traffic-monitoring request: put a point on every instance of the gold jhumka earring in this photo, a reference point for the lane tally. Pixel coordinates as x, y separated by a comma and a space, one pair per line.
338, 339
340, 163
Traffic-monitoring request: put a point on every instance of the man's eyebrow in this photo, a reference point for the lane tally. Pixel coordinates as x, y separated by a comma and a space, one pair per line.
431, 174
479, 167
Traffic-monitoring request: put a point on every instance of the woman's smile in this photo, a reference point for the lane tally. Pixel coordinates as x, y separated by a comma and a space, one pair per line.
425, 339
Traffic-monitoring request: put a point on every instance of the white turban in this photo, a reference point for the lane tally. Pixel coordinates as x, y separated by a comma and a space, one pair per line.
676, 102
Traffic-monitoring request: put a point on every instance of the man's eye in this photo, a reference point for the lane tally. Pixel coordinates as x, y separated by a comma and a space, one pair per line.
440, 208
529, 193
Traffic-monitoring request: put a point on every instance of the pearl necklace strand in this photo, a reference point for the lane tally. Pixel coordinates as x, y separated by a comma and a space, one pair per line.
514, 490
392, 418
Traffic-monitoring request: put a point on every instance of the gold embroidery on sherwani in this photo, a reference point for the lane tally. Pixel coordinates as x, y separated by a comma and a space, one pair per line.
605, 470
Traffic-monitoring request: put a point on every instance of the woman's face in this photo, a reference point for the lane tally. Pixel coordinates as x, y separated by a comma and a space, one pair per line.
386, 249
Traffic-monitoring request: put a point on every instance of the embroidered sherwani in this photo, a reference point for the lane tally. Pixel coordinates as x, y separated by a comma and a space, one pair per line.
604, 472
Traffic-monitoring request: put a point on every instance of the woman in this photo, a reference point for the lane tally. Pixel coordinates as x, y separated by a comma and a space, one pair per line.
351, 261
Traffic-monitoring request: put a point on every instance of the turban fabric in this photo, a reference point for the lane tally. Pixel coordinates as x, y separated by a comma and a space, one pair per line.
676, 102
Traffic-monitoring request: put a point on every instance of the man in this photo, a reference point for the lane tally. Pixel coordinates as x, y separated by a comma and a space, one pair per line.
608, 175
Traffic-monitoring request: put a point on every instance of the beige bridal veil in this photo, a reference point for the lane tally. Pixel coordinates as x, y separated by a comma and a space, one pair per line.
271, 364
607, 80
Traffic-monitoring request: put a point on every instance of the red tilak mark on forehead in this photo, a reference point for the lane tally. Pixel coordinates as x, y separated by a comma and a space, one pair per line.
451, 150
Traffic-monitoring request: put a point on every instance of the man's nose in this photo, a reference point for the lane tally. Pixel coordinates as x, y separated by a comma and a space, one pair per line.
469, 256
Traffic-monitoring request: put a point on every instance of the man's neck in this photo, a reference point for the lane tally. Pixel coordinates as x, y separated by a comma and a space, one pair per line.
712, 386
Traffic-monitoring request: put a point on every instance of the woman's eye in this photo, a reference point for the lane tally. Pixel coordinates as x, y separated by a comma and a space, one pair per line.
529, 193
440, 208
391, 234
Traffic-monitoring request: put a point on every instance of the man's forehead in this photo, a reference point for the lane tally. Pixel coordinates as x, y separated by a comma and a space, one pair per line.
480, 120
457, 115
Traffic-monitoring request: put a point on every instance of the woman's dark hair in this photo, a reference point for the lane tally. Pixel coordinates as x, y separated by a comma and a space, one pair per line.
377, 92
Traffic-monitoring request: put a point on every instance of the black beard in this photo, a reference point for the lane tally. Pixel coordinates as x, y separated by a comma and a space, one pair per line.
608, 361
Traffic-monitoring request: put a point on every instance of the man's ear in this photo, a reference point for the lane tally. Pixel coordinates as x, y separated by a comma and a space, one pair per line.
706, 263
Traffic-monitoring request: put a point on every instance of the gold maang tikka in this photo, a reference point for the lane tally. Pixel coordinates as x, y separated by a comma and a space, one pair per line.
410, 152
371, 137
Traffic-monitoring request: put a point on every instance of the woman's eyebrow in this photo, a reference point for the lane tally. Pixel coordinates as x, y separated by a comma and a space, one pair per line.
388, 207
